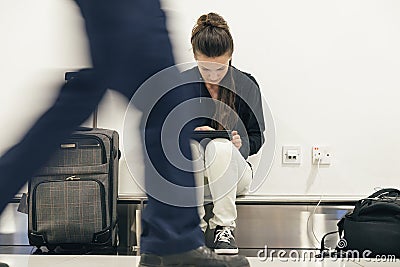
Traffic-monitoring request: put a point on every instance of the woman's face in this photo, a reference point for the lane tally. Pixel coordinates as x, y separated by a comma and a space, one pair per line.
213, 69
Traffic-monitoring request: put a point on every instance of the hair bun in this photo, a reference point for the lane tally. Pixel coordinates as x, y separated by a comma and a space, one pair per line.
208, 22
212, 19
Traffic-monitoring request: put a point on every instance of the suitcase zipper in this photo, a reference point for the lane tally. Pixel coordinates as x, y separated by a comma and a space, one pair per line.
110, 177
70, 179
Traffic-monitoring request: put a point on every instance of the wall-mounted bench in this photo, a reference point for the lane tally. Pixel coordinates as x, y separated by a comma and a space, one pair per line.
276, 220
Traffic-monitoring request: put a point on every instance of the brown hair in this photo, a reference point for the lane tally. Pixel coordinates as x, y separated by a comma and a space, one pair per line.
211, 37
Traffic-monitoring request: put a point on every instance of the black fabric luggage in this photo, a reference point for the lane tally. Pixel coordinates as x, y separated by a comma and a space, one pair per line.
373, 227
72, 199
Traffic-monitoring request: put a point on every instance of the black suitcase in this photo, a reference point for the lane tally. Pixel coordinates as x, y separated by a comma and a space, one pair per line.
72, 200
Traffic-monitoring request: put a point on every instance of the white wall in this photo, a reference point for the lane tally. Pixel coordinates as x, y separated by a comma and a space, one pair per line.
328, 70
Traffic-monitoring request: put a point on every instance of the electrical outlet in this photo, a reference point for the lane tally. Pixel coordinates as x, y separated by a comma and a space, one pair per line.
321, 155
291, 154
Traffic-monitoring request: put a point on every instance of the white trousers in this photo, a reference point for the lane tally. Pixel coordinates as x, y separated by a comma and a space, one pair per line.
228, 175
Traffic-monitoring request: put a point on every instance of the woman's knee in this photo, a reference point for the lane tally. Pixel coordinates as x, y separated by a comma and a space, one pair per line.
218, 147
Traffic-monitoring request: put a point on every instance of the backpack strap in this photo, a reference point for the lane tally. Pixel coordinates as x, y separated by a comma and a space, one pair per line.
385, 191
340, 225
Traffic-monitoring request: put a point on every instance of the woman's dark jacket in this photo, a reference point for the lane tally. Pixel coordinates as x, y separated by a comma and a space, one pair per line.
248, 106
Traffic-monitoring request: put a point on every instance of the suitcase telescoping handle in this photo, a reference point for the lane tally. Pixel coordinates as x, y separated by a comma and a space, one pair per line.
69, 75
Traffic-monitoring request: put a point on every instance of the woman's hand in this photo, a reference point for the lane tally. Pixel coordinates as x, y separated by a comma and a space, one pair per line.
236, 140
204, 128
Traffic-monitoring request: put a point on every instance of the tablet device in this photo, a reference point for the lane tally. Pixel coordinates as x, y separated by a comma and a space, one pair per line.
200, 135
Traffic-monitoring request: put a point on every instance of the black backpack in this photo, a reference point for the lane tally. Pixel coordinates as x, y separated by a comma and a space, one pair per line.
373, 228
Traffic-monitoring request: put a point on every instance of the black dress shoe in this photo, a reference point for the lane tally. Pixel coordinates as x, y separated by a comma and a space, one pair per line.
201, 256
3, 264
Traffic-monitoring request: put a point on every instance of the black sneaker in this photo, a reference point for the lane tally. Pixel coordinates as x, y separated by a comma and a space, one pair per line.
201, 256
224, 241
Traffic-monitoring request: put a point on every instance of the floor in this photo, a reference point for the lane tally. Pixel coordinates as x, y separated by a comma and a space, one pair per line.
125, 261
15, 250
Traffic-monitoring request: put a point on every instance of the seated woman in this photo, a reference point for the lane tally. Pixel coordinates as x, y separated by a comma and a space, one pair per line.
233, 100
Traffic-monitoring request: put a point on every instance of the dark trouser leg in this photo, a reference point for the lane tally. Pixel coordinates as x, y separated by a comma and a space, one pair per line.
129, 43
